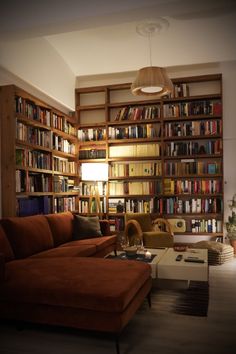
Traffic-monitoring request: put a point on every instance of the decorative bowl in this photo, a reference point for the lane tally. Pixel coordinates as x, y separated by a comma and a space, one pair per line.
130, 251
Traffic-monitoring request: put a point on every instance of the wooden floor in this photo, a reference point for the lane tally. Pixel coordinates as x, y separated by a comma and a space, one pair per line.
151, 330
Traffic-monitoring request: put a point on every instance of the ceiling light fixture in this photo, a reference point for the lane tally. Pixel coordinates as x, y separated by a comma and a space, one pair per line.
152, 80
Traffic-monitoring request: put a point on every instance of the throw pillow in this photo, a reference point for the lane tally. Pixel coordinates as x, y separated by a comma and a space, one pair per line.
86, 227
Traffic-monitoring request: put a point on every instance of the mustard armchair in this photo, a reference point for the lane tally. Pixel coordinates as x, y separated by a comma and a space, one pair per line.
153, 234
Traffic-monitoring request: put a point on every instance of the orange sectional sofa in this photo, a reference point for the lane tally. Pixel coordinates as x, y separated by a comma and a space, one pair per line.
49, 277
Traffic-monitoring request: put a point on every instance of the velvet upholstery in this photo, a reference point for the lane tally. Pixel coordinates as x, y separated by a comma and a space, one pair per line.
61, 285
61, 226
28, 235
5, 248
70, 251
109, 285
98, 242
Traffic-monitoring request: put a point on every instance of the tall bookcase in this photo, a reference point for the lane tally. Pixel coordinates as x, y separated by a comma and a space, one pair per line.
38, 155
165, 155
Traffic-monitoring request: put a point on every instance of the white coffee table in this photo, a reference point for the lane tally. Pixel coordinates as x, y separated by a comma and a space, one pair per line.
158, 252
169, 268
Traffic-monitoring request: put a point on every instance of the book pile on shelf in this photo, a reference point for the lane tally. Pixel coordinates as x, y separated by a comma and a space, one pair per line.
38, 182
192, 167
87, 188
116, 224
193, 186
137, 150
63, 165
191, 148
194, 108
33, 158
139, 206
135, 188
61, 144
193, 128
32, 111
92, 134
61, 123
180, 90
138, 113
175, 205
32, 206
135, 169
84, 206
209, 225
134, 131
86, 154
64, 204
33, 135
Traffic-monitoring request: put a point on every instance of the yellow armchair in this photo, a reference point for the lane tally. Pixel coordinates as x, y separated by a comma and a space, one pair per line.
153, 234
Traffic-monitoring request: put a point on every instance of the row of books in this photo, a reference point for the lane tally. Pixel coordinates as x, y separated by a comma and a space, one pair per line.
135, 150
63, 184
33, 158
87, 188
33, 182
63, 165
64, 204
193, 186
61, 123
83, 206
135, 131
193, 128
33, 135
32, 111
135, 169
89, 153
34, 205
176, 205
180, 90
192, 167
135, 188
91, 134
138, 113
122, 205
61, 144
191, 148
195, 108
43, 115
206, 225
116, 224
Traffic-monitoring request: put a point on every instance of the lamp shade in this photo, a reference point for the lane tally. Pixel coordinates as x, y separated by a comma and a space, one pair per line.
94, 171
152, 81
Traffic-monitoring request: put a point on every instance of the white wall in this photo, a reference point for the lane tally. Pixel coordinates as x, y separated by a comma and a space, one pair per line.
41, 66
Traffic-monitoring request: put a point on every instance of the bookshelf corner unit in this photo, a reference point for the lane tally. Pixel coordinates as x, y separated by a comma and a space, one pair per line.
165, 155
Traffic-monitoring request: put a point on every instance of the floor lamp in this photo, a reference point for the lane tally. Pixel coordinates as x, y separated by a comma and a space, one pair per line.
94, 172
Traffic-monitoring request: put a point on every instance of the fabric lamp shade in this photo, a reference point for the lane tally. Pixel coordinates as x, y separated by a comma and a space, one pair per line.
152, 81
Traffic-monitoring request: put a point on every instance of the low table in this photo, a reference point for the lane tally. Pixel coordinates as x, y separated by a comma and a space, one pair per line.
169, 268
157, 252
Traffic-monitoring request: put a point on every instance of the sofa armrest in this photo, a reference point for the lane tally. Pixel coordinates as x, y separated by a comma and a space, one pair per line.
105, 227
2, 267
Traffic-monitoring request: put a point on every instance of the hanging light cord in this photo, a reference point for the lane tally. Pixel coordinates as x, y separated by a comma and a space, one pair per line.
150, 48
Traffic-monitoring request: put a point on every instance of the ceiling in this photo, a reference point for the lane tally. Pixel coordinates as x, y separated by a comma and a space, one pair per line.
98, 37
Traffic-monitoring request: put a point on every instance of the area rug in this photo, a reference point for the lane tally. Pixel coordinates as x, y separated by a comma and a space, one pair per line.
192, 301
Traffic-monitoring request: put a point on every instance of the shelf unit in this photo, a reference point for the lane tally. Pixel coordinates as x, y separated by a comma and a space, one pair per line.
39, 155
165, 155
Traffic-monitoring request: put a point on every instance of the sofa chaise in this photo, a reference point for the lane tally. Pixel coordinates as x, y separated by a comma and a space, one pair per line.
48, 276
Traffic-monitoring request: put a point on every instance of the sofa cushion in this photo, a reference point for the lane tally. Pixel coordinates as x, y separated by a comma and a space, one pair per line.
61, 226
77, 282
5, 247
86, 227
28, 235
99, 242
75, 251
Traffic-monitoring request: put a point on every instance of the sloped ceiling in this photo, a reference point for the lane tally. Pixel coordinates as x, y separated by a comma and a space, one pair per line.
99, 37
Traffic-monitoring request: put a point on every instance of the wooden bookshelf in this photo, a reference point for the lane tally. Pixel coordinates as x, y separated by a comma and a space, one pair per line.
148, 142
38, 155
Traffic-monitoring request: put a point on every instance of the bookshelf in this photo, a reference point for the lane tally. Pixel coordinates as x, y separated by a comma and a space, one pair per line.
39, 155
165, 155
